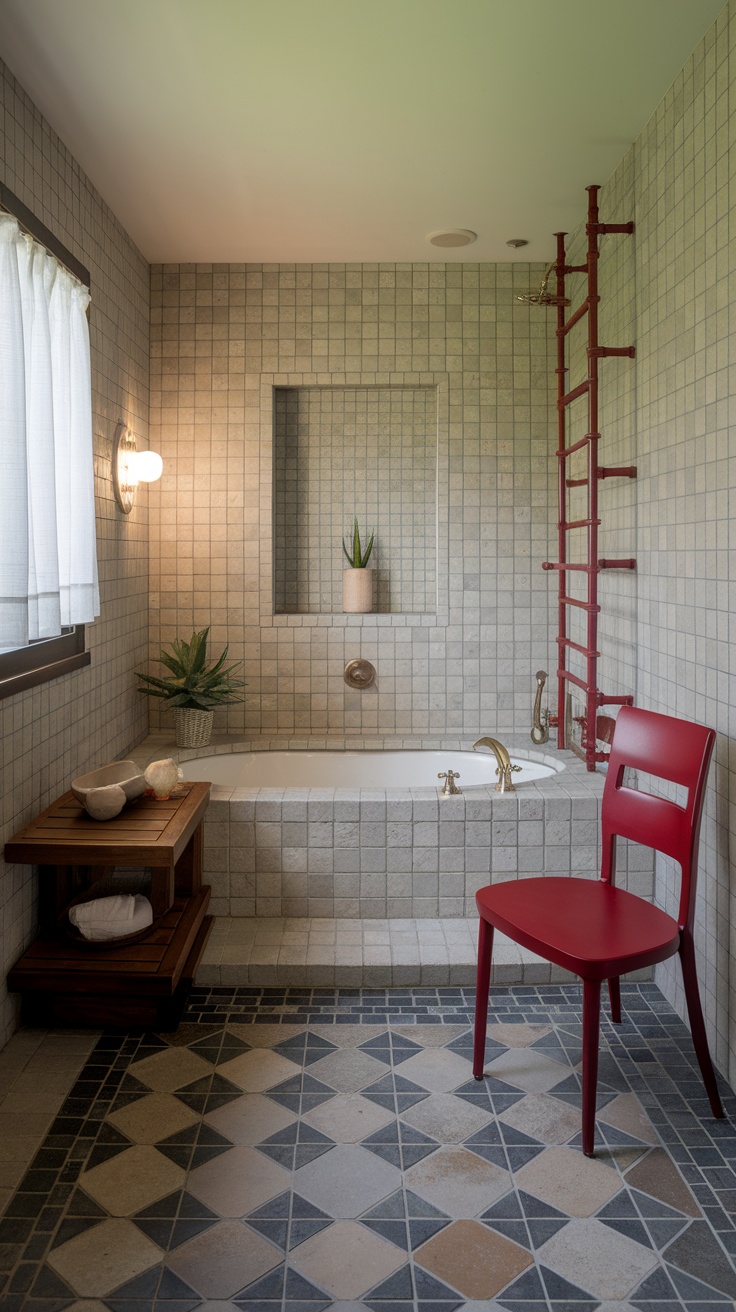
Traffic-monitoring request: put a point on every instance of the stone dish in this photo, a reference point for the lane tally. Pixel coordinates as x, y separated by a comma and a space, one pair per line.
104, 792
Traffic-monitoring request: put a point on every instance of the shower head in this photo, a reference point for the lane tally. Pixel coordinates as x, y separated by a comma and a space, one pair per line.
543, 297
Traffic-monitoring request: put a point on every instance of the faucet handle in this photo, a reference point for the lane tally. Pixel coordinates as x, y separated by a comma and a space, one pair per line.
449, 788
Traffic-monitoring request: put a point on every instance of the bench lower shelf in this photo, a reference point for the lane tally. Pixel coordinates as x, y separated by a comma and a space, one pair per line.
145, 983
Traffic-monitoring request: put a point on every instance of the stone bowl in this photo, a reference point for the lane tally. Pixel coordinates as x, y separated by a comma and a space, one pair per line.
120, 782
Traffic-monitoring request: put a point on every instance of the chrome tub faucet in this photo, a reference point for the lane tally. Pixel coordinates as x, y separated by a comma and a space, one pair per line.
504, 767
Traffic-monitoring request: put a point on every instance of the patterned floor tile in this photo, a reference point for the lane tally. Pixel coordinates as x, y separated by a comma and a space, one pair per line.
457, 1181
547, 1119
563, 1177
131, 1180
258, 1070
528, 1069
158, 1116
347, 1259
329, 1151
348, 1118
98, 1261
170, 1069
446, 1118
249, 1119
348, 1070
224, 1260
237, 1181
607, 1265
472, 1259
346, 1181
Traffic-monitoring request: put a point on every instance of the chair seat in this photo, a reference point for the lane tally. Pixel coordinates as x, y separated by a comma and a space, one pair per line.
589, 927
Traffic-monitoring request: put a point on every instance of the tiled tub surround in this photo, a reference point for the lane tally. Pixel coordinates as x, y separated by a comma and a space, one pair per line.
336, 886
373, 854
316, 1151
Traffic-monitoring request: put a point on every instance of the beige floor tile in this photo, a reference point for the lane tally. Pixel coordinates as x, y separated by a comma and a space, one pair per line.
429, 1036
348, 1118
437, 1070
598, 1259
476, 1261
220, 1261
100, 1259
446, 1118
550, 1120
347, 1259
565, 1179
626, 1113
658, 1176
516, 1036
346, 1181
88, 1305
19, 1147
152, 1118
237, 1181
347, 1036
348, 1071
34, 1124
11, 1174
458, 1182
258, 1070
132, 1180
265, 1036
527, 1069
171, 1069
250, 1119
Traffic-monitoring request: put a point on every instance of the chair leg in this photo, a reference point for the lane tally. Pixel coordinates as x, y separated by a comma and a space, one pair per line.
614, 997
482, 986
697, 1024
591, 1022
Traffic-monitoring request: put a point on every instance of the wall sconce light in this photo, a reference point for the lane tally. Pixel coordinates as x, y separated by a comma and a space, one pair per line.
131, 467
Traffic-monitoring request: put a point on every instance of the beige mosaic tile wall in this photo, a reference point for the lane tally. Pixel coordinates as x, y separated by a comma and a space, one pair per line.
51, 733
667, 633
222, 338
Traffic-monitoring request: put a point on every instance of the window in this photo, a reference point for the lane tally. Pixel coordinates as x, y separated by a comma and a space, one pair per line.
48, 565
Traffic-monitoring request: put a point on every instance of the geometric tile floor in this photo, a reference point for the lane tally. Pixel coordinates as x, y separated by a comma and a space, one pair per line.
298, 1151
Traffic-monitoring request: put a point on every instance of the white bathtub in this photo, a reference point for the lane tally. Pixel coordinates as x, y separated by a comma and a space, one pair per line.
382, 770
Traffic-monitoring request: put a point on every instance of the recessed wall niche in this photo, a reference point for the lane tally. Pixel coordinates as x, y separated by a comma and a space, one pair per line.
346, 451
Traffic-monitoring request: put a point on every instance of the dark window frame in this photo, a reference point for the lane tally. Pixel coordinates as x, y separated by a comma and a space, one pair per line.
49, 658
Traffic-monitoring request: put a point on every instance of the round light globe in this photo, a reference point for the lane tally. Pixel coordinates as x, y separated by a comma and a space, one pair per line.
147, 466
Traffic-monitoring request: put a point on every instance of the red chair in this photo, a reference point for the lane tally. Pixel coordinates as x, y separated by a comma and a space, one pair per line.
601, 932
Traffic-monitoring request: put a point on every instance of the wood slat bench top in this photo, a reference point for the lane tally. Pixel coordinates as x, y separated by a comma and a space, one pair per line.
147, 832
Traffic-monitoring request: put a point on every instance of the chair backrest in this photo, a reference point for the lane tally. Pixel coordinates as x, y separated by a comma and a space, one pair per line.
674, 750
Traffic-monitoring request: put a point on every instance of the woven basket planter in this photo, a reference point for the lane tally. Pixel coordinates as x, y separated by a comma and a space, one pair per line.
193, 728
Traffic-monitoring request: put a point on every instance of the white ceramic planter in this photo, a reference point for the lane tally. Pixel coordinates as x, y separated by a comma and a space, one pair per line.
357, 591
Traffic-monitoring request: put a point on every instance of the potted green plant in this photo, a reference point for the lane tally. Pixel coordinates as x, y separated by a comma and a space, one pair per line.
194, 687
357, 581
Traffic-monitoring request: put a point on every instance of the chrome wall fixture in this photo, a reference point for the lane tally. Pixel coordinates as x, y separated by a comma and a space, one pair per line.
359, 674
131, 466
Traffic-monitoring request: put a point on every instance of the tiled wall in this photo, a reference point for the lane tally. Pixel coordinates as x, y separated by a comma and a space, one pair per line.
670, 288
342, 453
52, 733
222, 338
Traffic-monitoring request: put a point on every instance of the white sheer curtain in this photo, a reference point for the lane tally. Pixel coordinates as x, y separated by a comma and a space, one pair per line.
48, 555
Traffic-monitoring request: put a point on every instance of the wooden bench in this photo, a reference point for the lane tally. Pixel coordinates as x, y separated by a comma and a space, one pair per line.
146, 981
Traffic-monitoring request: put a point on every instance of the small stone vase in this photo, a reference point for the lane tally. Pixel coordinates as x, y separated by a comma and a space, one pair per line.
357, 591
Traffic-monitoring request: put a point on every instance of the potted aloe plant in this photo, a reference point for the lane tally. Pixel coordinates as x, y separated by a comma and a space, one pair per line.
357, 581
194, 687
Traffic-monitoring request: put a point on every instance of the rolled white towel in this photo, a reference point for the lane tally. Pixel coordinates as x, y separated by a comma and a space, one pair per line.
97, 929
119, 906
